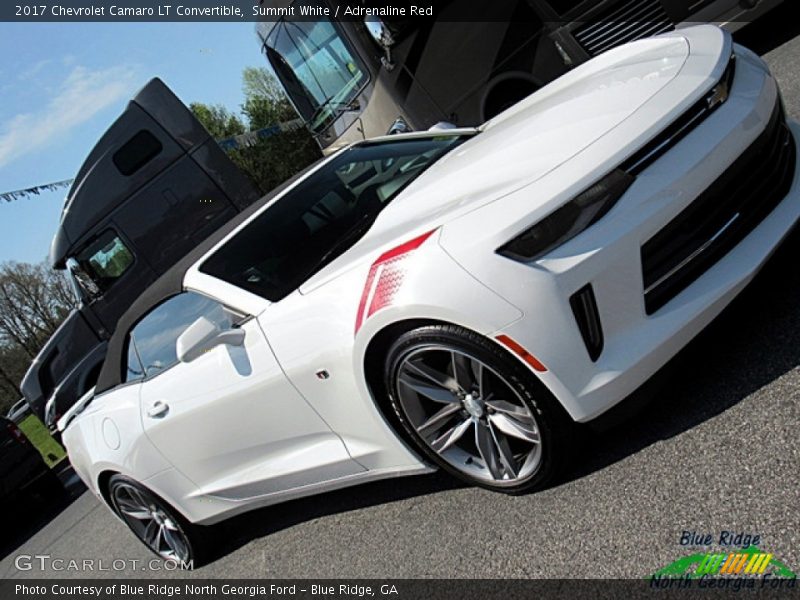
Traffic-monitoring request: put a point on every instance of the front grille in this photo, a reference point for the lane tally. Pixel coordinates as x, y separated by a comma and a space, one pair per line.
683, 125
721, 216
621, 23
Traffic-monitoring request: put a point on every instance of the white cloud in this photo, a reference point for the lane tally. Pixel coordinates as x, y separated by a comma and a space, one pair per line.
81, 96
34, 70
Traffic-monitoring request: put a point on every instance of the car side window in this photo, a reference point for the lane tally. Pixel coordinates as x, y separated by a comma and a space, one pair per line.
155, 336
133, 366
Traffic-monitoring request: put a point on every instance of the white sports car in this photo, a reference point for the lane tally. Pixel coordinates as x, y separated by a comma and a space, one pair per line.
454, 298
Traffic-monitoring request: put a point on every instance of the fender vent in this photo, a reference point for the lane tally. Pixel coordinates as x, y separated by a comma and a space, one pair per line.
584, 307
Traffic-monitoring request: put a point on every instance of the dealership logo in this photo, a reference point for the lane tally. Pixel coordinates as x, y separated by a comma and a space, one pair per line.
750, 561
735, 562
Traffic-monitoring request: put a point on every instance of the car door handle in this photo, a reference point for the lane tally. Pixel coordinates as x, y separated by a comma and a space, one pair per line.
158, 409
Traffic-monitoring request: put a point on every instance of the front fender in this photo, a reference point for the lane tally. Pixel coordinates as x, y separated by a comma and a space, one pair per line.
435, 287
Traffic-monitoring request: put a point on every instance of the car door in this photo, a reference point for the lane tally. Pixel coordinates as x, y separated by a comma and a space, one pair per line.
230, 420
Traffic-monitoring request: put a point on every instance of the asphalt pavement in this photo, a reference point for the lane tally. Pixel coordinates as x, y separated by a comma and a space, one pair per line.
717, 449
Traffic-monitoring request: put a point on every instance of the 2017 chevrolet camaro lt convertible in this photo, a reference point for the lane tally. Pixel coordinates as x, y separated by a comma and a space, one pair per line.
453, 298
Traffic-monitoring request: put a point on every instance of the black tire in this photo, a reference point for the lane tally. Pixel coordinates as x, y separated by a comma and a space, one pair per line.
197, 539
550, 421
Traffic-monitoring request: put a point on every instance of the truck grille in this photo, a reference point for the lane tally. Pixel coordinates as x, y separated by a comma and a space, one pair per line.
721, 216
623, 22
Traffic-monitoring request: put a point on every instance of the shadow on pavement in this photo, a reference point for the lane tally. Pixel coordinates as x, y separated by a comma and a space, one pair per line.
774, 29
29, 515
238, 531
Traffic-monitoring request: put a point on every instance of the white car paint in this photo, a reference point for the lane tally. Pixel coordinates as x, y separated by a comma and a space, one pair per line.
252, 426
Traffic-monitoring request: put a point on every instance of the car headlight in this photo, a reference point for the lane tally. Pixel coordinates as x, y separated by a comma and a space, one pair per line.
571, 219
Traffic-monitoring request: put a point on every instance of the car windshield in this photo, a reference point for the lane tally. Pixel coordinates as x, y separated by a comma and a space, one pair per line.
316, 67
325, 214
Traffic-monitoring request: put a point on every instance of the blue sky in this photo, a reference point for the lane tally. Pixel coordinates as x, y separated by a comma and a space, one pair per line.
61, 86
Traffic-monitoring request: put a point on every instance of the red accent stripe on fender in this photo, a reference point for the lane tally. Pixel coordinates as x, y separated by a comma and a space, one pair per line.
389, 274
522, 353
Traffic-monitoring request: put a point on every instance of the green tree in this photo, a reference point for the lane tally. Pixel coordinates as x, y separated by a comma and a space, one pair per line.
33, 302
218, 120
265, 103
274, 159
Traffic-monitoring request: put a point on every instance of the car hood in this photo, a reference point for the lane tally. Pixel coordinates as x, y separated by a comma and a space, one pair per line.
637, 82
557, 123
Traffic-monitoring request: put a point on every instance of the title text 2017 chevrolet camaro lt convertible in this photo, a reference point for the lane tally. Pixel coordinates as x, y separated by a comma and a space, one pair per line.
455, 298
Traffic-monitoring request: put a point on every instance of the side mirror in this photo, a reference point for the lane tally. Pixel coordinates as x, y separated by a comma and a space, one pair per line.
82, 284
399, 126
50, 412
203, 335
379, 32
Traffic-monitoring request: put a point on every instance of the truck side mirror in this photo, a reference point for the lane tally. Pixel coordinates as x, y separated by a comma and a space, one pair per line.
379, 32
83, 285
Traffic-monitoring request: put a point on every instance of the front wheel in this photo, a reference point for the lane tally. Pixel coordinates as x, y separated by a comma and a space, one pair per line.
157, 525
475, 410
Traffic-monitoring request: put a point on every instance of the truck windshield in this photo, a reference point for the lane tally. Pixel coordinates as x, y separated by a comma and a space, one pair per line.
317, 68
323, 215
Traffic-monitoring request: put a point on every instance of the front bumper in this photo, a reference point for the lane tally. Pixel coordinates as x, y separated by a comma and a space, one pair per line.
639, 339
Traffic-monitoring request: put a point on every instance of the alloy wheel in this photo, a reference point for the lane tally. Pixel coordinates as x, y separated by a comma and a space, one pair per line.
151, 522
469, 415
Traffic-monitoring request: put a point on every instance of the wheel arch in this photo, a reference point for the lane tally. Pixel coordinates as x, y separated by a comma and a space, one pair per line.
374, 358
375, 355
102, 485
377, 351
378, 346
104, 478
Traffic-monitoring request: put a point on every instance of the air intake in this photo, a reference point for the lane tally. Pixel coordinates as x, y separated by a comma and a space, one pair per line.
584, 307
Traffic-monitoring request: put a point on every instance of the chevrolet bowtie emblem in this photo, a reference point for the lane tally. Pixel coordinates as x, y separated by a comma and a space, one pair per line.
718, 95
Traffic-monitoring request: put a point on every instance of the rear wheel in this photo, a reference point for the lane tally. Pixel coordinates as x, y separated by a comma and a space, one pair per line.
474, 410
157, 525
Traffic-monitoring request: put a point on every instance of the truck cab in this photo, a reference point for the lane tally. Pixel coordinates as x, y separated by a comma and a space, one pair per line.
154, 186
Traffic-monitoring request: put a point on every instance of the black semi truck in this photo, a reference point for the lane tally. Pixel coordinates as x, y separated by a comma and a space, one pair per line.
155, 185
